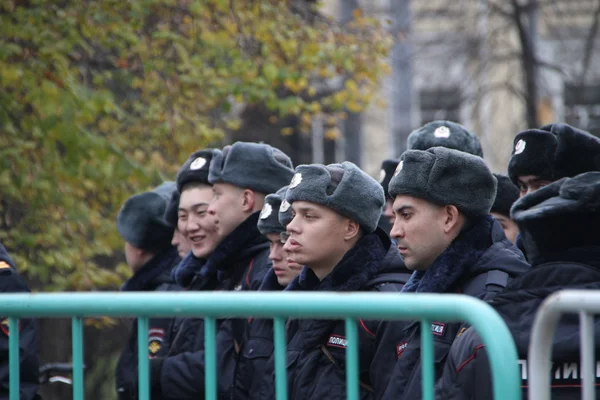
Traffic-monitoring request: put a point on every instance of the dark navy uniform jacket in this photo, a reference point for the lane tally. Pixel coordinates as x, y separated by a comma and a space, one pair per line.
467, 374
154, 276
10, 281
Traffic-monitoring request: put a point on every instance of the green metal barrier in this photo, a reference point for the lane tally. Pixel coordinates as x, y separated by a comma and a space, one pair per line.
279, 306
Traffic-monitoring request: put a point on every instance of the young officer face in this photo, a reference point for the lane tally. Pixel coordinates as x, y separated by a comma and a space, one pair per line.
226, 207
180, 242
285, 270
388, 212
419, 231
530, 183
316, 235
196, 224
511, 230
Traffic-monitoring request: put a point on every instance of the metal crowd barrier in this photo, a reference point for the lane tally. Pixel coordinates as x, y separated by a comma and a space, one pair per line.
279, 306
584, 302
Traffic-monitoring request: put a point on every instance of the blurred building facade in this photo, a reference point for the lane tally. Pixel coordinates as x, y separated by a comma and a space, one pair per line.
467, 66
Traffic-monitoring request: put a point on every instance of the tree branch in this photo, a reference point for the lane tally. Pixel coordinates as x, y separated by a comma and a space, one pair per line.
589, 44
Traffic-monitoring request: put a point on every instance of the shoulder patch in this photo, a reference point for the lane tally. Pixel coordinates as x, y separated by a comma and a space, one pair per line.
156, 338
4, 327
400, 348
337, 341
438, 328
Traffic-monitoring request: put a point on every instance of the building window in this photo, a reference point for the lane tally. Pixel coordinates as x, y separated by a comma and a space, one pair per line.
440, 104
582, 107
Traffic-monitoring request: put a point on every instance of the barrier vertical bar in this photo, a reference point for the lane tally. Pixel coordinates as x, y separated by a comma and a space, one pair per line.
428, 379
588, 370
280, 359
77, 342
352, 370
143, 363
210, 363
13, 358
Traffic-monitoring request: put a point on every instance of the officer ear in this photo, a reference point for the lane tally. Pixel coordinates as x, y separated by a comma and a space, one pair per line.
453, 219
248, 200
352, 229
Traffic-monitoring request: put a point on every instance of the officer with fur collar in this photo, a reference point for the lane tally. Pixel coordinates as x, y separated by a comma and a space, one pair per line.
542, 156
333, 233
559, 224
151, 257
256, 364
11, 282
442, 200
241, 176
506, 194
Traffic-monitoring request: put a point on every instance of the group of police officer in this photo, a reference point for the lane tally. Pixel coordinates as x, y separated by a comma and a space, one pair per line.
438, 221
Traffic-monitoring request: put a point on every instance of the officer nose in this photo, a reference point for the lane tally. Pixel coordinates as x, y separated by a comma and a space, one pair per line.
397, 230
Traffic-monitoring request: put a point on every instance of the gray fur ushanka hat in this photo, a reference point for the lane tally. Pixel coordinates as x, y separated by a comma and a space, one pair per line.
344, 188
448, 134
255, 166
446, 177
268, 220
141, 221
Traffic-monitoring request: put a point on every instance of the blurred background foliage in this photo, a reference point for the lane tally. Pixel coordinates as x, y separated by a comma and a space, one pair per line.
101, 99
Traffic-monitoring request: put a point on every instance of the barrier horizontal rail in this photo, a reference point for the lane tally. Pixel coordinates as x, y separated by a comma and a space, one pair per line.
586, 303
277, 306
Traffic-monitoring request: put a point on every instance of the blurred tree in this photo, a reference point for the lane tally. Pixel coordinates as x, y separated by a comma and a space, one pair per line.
100, 99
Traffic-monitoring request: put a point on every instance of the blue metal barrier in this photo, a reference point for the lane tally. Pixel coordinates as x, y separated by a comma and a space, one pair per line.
279, 306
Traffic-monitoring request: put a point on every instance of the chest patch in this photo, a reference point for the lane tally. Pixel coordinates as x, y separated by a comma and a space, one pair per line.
400, 348
438, 328
156, 338
337, 341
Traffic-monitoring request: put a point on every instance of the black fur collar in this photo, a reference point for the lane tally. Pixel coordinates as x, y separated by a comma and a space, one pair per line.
244, 240
187, 269
154, 273
456, 260
358, 266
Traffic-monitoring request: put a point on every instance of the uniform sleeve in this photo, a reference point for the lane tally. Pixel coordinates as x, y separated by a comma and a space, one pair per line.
466, 373
387, 340
182, 376
11, 282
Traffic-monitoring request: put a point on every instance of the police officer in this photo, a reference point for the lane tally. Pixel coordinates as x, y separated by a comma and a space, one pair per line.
442, 200
448, 134
333, 233
241, 175
559, 226
151, 257
506, 194
542, 156
11, 282
179, 241
256, 365
387, 217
